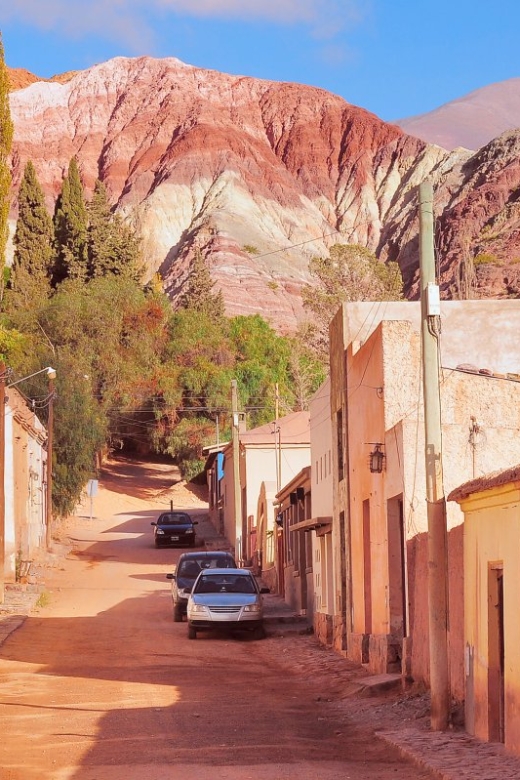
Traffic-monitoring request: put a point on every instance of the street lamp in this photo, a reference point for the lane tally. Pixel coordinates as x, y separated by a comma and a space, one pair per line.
51, 375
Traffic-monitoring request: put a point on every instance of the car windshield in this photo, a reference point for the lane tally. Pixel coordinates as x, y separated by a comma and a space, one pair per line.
222, 583
173, 519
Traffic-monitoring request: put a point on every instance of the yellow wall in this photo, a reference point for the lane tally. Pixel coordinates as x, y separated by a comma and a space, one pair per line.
491, 538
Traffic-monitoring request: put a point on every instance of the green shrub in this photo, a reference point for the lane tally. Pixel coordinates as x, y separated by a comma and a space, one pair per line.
485, 258
190, 469
250, 249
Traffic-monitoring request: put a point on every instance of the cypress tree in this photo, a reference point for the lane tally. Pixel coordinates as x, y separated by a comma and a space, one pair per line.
6, 140
29, 283
113, 245
99, 233
199, 294
70, 229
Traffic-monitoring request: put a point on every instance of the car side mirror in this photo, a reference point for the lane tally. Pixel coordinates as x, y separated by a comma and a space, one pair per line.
170, 576
265, 590
195, 522
153, 523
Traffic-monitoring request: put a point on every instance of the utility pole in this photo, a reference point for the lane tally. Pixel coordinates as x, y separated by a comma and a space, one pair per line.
237, 493
436, 501
2, 486
277, 436
50, 437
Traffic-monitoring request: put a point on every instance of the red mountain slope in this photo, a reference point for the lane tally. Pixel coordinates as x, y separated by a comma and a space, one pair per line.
260, 175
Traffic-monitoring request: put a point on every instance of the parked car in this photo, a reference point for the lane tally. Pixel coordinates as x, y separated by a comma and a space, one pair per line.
189, 566
226, 599
174, 528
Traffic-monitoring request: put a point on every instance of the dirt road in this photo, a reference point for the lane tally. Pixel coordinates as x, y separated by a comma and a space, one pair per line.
100, 684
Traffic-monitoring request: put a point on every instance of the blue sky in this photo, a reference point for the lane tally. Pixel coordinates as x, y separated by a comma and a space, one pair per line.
396, 58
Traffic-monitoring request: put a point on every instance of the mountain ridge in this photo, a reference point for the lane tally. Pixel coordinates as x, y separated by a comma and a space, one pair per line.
259, 175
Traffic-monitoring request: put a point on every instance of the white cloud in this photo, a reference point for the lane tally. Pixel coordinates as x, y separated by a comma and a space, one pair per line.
129, 20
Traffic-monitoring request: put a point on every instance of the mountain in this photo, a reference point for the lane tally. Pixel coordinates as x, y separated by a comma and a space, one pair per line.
261, 176
20, 78
471, 121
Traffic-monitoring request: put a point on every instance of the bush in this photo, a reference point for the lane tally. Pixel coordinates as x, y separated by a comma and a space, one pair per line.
485, 258
190, 469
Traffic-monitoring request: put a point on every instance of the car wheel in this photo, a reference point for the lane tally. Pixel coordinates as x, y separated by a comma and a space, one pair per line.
177, 614
192, 634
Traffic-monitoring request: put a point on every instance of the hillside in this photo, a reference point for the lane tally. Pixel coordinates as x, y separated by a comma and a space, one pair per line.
262, 176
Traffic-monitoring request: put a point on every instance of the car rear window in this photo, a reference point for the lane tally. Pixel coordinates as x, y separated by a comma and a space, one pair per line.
221, 583
189, 569
192, 566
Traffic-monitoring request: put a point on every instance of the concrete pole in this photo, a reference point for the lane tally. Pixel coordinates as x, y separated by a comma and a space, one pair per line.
277, 441
237, 492
2, 476
436, 502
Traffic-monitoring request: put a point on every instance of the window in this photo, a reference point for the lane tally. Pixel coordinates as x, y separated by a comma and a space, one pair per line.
339, 442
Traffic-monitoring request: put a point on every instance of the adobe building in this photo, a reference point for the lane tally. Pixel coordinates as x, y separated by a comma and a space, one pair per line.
379, 523
491, 507
25, 482
326, 559
293, 528
274, 452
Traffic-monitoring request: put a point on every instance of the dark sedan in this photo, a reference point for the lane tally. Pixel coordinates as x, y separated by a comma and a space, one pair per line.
189, 566
174, 528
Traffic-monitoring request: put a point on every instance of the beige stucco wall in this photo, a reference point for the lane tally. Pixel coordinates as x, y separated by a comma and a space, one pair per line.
322, 505
24, 482
257, 465
491, 536
381, 385
481, 332
261, 466
321, 451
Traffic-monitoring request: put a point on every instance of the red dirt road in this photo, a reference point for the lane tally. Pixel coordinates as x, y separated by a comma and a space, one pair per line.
100, 684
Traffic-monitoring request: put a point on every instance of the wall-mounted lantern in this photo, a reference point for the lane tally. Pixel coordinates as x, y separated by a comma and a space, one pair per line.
377, 459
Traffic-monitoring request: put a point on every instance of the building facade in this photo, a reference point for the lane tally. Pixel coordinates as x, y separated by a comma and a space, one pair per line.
272, 453
25, 482
491, 507
379, 525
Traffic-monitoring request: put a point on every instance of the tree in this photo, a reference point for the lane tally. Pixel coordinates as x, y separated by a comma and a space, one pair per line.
29, 281
6, 140
108, 341
350, 273
99, 233
199, 294
70, 229
113, 246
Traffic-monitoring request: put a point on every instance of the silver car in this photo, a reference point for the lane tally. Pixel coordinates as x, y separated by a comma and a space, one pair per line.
188, 568
226, 599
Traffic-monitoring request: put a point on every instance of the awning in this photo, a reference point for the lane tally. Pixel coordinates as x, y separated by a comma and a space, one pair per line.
311, 524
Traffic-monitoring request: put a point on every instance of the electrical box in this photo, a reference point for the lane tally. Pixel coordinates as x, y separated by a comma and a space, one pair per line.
433, 300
